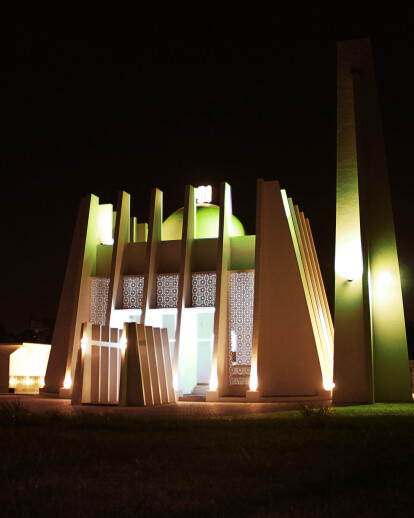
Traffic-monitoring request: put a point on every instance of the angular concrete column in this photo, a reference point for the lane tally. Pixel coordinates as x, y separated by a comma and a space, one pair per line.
74, 301
121, 239
184, 285
154, 368
161, 365
219, 365
167, 365
154, 238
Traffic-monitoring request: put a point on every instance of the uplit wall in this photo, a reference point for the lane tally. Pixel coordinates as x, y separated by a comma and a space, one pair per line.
28, 368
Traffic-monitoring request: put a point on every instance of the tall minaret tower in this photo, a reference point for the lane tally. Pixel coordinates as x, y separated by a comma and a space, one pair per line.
371, 358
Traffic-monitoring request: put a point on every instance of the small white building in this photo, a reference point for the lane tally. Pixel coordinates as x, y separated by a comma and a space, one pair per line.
23, 367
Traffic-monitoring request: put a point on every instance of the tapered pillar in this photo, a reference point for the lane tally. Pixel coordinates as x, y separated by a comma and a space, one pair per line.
121, 239
167, 365
154, 239
184, 286
161, 362
74, 301
219, 365
154, 368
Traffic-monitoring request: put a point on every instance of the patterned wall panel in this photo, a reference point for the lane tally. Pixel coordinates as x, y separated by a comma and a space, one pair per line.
167, 290
241, 298
203, 289
133, 287
99, 299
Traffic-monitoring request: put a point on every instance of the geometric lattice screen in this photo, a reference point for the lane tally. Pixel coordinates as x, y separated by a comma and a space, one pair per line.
167, 290
133, 287
99, 299
241, 298
203, 289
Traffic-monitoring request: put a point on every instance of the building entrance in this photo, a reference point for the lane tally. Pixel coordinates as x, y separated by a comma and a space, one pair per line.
205, 339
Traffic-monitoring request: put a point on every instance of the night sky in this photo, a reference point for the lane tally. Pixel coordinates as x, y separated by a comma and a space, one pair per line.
97, 101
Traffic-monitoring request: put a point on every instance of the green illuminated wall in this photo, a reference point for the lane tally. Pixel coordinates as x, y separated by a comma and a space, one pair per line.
207, 223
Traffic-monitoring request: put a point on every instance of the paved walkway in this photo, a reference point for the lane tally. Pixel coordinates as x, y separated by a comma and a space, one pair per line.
181, 410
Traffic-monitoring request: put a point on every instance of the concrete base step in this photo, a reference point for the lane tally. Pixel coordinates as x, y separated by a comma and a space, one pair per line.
194, 399
200, 389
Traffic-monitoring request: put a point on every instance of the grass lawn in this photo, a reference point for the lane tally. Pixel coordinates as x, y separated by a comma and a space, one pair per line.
358, 461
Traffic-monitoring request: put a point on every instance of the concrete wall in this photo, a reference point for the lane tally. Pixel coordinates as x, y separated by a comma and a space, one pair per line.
183, 349
134, 258
121, 240
242, 252
219, 367
283, 337
204, 258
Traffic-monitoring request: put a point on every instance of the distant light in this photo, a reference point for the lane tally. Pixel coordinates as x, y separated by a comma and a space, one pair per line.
24, 383
29, 360
203, 194
84, 343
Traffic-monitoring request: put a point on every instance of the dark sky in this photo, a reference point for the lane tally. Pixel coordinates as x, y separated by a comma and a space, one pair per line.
102, 100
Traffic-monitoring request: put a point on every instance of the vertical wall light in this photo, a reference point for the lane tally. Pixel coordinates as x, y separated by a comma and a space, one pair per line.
67, 384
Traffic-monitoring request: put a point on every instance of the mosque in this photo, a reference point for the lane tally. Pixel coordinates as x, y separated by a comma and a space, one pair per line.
191, 307
225, 300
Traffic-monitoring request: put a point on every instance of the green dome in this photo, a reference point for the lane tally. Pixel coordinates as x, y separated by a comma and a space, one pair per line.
207, 223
